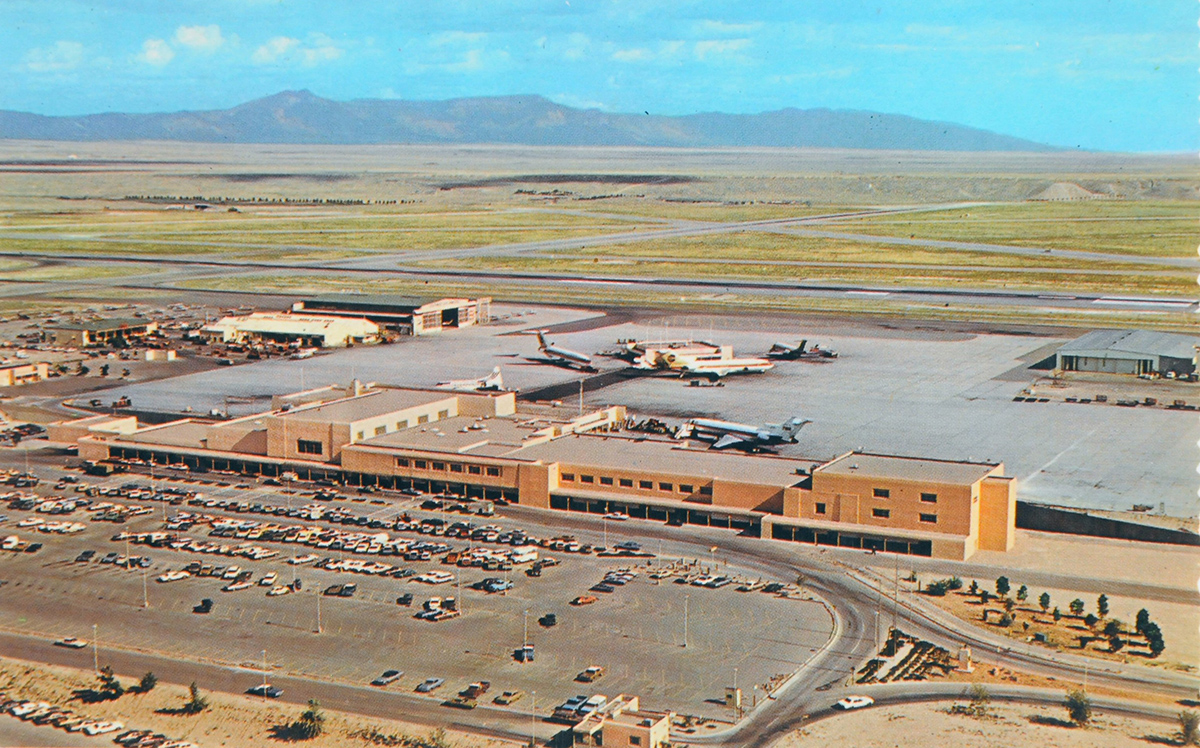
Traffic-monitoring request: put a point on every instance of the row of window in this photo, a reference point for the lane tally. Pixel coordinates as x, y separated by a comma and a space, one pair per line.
454, 467
309, 447
400, 425
932, 519
645, 485
884, 493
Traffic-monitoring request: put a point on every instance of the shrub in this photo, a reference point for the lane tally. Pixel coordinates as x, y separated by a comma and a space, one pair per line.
1189, 727
1079, 707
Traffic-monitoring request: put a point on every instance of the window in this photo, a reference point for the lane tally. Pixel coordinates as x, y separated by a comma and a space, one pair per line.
820, 508
439, 466
402, 461
881, 513
568, 477
419, 464
443, 414
456, 467
684, 488
587, 479
881, 493
706, 490
626, 483
474, 469
666, 487
422, 419
380, 430
493, 471
635, 740
606, 481
401, 425
309, 447
930, 518
929, 498
358, 437
645, 484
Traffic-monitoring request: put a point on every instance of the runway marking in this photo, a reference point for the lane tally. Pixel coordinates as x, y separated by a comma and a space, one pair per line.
1053, 460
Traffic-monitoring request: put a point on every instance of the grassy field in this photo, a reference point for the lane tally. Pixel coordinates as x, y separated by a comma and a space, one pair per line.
1154, 228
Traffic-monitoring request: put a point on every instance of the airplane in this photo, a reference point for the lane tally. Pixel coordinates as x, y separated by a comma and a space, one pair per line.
493, 382
725, 434
785, 352
562, 356
711, 367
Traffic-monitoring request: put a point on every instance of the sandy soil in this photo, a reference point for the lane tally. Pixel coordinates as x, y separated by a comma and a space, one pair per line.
933, 726
230, 721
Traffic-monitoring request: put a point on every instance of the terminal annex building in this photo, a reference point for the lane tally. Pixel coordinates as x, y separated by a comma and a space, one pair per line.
480, 445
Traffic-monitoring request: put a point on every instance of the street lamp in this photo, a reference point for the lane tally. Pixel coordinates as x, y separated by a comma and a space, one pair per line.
532, 713
685, 621
96, 649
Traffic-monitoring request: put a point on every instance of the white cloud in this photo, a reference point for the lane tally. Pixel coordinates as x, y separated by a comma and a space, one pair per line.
274, 49
284, 49
60, 57
720, 47
577, 45
637, 54
456, 37
156, 52
202, 38
721, 27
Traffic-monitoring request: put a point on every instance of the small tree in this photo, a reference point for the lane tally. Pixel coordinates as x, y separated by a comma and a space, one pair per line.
1022, 593
974, 588
1002, 586
954, 583
1079, 707
1044, 601
147, 683
1057, 614
984, 596
104, 370
1115, 642
195, 703
1006, 620
1009, 604
979, 698
1090, 621
311, 723
1143, 618
110, 687
1112, 627
1102, 605
1076, 607
1154, 639
1189, 727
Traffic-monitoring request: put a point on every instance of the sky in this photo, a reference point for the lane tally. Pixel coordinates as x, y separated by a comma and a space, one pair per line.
1117, 76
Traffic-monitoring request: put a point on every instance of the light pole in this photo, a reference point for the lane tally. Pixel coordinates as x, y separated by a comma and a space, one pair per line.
685, 621
264, 685
532, 713
145, 590
525, 639
604, 524
96, 649
317, 593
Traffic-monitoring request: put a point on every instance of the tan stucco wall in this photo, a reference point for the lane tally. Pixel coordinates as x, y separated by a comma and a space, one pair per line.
998, 513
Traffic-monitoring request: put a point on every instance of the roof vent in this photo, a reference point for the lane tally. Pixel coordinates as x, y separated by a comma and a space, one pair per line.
854, 466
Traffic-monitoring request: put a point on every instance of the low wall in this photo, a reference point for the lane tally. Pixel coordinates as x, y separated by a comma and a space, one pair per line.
1048, 518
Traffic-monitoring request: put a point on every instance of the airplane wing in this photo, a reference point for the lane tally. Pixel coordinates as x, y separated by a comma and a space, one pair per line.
726, 441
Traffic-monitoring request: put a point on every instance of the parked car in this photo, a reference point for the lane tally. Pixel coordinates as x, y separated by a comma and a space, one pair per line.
265, 689
591, 674
388, 676
71, 643
548, 620
508, 697
854, 702
205, 606
430, 684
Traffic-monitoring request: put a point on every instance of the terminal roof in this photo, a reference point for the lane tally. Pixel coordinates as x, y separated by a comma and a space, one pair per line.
909, 468
369, 405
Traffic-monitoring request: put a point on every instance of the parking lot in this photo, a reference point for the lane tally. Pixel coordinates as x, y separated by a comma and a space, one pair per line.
636, 632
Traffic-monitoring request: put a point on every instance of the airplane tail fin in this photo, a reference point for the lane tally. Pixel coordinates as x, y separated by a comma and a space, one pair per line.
792, 426
541, 339
494, 380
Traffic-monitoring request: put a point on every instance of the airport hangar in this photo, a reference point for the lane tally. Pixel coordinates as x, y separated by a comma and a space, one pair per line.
99, 332
1130, 352
407, 314
480, 445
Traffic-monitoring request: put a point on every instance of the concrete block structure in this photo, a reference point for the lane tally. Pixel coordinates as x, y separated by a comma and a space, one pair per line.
407, 314
621, 724
1129, 352
319, 331
12, 375
100, 332
482, 446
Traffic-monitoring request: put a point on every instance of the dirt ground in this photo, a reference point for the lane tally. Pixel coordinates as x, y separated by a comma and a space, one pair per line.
230, 721
933, 726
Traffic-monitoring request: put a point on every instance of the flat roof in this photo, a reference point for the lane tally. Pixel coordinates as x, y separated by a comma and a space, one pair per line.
1136, 342
491, 437
607, 452
98, 325
368, 405
192, 434
908, 468
351, 300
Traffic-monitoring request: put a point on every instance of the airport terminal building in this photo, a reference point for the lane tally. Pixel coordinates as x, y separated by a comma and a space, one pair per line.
480, 445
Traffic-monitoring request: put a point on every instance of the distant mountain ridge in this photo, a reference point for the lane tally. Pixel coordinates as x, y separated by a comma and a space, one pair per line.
301, 117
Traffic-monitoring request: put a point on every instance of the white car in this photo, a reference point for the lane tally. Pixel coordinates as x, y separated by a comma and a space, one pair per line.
173, 576
236, 586
305, 559
72, 643
268, 579
619, 516
99, 728
279, 589
854, 702
435, 577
